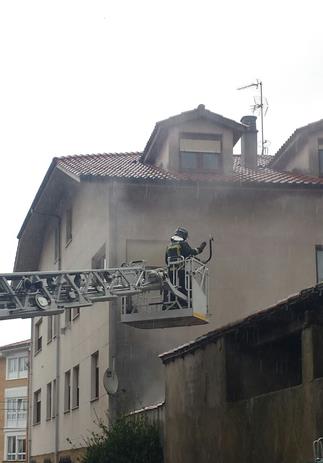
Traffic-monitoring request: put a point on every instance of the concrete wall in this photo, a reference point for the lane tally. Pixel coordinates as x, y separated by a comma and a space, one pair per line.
80, 338
264, 250
202, 425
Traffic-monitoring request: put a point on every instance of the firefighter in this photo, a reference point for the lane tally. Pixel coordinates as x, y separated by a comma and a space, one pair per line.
177, 249
179, 246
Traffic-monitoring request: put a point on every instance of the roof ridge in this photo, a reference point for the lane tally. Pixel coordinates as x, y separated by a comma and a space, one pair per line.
91, 155
15, 344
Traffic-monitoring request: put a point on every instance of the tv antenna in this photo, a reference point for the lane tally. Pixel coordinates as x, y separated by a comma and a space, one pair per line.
259, 105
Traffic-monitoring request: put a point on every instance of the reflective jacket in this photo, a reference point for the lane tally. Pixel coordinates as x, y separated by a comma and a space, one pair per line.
179, 248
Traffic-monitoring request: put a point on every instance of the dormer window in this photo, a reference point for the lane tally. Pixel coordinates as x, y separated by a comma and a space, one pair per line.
201, 152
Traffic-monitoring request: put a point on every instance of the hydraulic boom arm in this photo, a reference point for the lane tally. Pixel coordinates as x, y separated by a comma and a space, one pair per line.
176, 295
24, 295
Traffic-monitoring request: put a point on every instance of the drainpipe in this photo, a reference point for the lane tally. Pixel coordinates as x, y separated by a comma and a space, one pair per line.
112, 329
57, 321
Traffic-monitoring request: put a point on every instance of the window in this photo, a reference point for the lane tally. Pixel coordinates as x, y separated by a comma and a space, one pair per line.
76, 387
56, 243
67, 391
75, 312
17, 367
95, 376
49, 402
54, 399
37, 406
55, 325
16, 448
38, 336
68, 316
320, 154
99, 259
202, 152
319, 263
16, 408
68, 225
49, 328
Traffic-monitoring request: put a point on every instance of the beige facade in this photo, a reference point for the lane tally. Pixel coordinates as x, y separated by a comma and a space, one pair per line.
13, 399
265, 232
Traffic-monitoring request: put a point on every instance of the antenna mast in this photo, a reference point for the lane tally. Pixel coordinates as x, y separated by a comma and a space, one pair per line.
260, 106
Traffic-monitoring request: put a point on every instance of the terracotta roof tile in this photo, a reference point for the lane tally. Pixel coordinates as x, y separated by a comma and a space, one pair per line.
129, 166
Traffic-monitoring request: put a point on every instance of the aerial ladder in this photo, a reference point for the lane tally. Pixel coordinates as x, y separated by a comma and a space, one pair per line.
151, 297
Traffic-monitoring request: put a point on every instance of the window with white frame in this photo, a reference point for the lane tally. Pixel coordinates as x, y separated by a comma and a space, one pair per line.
16, 448
201, 152
17, 367
16, 412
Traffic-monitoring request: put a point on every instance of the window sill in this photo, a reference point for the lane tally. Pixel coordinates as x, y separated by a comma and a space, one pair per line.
36, 424
76, 316
66, 412
76, 407
17, 378
94, 399
49, 341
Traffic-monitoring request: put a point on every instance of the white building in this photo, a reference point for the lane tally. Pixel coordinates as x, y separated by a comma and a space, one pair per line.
13, 398
106, 209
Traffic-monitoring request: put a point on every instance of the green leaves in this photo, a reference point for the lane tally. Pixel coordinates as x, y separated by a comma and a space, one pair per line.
127, 441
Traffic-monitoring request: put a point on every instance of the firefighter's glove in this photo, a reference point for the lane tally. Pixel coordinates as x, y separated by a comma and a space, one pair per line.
202, 246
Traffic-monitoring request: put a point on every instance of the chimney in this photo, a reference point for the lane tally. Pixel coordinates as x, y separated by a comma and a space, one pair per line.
249, 143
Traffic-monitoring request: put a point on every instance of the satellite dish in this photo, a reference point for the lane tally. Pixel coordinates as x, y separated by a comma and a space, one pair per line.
110, 381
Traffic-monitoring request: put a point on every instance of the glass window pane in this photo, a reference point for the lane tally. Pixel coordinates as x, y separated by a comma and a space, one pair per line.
11, 448
23, 366
211, 161
12, 368
11, 412
21, 448
188, 160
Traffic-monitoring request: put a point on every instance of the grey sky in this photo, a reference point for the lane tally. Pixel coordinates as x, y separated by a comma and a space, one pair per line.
94, 76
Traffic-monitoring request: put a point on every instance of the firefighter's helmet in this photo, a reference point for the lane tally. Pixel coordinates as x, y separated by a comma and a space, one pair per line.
182, 232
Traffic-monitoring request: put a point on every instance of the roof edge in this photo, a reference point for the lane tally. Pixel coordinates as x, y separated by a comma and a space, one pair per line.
37, 196
214, 335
